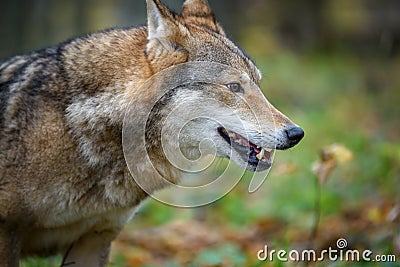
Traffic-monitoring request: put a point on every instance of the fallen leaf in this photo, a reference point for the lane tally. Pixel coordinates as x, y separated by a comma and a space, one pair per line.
330, 157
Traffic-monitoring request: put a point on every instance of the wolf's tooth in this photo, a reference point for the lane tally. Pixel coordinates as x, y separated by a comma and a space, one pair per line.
260, 155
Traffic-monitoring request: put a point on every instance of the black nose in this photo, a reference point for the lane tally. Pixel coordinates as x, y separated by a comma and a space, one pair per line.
294, 134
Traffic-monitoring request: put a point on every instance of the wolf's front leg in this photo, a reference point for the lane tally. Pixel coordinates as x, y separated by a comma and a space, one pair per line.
9, 247
91, 250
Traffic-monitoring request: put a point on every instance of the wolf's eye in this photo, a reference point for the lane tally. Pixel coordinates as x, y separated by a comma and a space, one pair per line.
235, 87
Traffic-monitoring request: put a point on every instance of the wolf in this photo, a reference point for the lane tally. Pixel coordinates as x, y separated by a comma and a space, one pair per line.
64, 184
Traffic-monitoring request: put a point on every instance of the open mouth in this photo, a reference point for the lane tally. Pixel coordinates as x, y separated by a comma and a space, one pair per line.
250, 152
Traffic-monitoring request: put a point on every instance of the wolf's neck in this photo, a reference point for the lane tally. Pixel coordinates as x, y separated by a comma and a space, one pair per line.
101, 70
107, 61
107, 70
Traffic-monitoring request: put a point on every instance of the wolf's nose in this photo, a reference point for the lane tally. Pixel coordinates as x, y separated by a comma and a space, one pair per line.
294, 134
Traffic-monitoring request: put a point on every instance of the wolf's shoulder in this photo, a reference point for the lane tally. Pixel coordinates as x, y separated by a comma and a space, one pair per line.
28, 81
27, 66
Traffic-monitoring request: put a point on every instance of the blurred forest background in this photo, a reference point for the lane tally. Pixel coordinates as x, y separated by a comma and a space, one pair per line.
333, 66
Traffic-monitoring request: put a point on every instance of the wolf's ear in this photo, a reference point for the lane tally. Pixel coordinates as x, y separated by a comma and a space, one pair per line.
199, 12
166, 35
160, 23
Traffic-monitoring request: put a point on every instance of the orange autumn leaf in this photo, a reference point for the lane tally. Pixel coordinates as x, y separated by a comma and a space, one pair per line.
330, 157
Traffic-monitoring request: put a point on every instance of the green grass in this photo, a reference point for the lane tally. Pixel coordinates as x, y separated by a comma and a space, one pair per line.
40, 262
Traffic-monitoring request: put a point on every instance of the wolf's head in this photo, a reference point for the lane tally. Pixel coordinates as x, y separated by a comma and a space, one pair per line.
195, 35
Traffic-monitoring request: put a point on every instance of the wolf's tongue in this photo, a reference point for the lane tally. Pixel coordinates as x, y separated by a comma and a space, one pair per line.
257, 150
